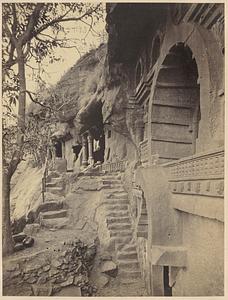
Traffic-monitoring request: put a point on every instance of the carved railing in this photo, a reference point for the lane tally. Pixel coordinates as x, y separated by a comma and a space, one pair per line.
118, 166
201, 174
144, 151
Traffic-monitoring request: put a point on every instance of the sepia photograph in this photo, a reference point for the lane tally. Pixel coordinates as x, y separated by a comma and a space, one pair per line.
113, 130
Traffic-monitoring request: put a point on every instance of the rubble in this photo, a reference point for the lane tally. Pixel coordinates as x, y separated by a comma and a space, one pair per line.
54, 271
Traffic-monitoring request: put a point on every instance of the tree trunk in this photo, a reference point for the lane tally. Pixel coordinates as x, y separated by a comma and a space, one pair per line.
22, 96
7, 241
17, 156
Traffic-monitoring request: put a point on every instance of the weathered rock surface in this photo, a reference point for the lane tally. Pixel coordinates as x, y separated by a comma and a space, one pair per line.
47, 272
31, 229
101, 281
109, 268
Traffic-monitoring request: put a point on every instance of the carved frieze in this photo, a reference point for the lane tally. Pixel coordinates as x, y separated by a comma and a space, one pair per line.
212, 188
198, 175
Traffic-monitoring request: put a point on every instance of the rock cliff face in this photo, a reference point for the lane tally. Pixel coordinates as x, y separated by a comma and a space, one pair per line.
95, 92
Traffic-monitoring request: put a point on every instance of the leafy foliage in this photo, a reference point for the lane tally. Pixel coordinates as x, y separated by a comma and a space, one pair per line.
37, 30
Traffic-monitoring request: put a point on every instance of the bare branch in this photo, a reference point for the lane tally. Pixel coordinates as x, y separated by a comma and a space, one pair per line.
62, 19
36, 101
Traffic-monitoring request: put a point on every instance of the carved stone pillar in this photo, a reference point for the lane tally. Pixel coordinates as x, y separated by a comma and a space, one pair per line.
84, 150
90, 148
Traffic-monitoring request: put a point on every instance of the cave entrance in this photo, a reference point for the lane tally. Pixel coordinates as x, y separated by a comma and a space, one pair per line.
93, 134
176, 106
58, 149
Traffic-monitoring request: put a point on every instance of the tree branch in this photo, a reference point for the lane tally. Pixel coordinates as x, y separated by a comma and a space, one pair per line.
28, 34
36, 101
62, 19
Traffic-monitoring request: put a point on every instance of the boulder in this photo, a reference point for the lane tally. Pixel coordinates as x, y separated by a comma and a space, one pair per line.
18, 247
109, 267
18, 238
28, 242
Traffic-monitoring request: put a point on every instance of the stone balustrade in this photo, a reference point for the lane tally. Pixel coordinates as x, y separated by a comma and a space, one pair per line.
118, 166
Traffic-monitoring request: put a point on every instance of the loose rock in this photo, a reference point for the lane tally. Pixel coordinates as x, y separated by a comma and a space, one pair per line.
109, 268
18, 238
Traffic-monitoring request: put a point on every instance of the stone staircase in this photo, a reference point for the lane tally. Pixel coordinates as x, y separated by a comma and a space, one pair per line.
55, 216
120, 228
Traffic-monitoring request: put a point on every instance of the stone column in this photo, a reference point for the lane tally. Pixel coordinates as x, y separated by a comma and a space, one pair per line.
90, 148
84, 150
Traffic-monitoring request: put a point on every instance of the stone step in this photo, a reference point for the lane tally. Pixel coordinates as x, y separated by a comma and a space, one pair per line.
112, 187
142, 234
122, 226
111, 181
116, 201
117, 214
53, 214
127, 255
143, 205
121, 233
55, 190
114, 220
53, 174
143, 222
54, 180
58, 223
142, 227
144, 211
128, 274
111, 177
128, 264
44, 207
115, 192
122, 195
129, 248
115, 207
54, 184
119, 241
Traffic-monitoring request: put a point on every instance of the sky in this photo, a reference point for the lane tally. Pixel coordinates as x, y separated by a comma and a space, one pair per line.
68, 56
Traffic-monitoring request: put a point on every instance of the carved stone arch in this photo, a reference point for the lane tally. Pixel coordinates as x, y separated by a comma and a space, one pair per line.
209, 63
139, 70
155, 48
